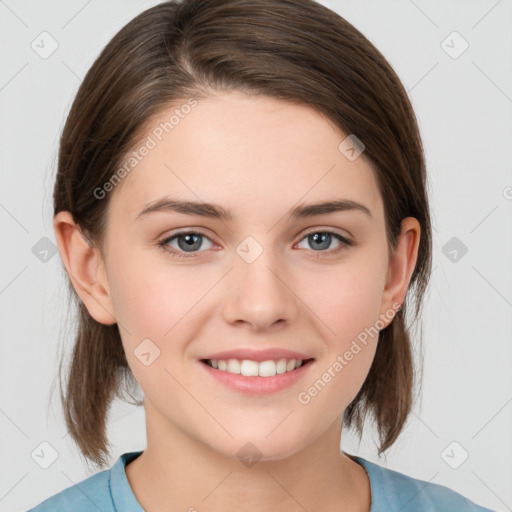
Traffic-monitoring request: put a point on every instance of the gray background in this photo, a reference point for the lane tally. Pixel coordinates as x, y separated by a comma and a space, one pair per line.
464, 105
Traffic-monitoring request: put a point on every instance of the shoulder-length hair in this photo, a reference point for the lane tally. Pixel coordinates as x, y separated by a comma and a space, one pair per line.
293, 50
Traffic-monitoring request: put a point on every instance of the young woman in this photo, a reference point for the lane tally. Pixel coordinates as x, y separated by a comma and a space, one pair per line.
241, 208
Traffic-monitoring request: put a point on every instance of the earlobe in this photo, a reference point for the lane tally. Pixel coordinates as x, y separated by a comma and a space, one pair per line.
401, 265
85, 267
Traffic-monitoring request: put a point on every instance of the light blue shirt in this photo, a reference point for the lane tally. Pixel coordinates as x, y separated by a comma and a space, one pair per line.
110, 491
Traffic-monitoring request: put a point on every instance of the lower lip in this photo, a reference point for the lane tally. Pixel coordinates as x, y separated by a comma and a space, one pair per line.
258, 385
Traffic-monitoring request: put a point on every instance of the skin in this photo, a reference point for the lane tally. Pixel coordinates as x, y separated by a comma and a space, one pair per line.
259, 157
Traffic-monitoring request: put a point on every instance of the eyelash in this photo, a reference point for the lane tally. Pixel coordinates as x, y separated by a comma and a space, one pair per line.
181, 254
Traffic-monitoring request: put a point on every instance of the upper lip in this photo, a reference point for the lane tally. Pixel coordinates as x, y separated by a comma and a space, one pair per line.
258, 355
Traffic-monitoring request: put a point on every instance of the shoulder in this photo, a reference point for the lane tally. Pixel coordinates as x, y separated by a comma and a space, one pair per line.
392, 490
92, 494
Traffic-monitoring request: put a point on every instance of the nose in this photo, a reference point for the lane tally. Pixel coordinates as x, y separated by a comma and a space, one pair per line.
260, 294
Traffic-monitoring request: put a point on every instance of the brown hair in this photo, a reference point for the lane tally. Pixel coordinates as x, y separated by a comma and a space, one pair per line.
293, 50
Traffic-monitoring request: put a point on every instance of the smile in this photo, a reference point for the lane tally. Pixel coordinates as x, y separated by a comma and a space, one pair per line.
253, 377
250, 368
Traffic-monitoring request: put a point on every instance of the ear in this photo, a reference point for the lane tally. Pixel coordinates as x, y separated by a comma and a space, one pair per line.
85, 267
401, 266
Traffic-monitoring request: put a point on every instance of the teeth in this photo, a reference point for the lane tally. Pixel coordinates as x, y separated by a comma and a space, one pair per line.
250, 368
234, 366
281, 366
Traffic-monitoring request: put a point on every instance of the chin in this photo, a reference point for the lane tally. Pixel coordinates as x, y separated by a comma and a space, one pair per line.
249, 450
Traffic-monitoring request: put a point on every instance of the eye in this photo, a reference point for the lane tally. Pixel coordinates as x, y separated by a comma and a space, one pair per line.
188, 242
322, 240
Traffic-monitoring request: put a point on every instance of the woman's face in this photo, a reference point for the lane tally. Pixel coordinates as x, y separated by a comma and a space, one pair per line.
261, 279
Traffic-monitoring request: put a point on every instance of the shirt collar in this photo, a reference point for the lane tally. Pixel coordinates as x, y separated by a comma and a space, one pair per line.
120, 490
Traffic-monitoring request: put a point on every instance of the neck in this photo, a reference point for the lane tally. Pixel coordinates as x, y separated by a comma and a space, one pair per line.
178, 472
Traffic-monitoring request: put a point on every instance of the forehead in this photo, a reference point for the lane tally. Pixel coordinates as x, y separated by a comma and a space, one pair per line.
244, 152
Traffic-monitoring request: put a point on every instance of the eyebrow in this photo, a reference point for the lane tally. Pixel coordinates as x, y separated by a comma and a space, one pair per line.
215, 211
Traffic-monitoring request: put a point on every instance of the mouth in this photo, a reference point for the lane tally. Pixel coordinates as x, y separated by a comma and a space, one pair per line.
256, 378
251, 368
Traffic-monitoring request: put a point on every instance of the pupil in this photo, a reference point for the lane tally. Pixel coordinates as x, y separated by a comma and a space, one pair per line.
321, 238
191, 241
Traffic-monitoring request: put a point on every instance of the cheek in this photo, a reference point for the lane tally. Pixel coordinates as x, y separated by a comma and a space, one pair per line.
140, 302
348, 309
347, 303
160, 301
348, 300
150, 293
148, 305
